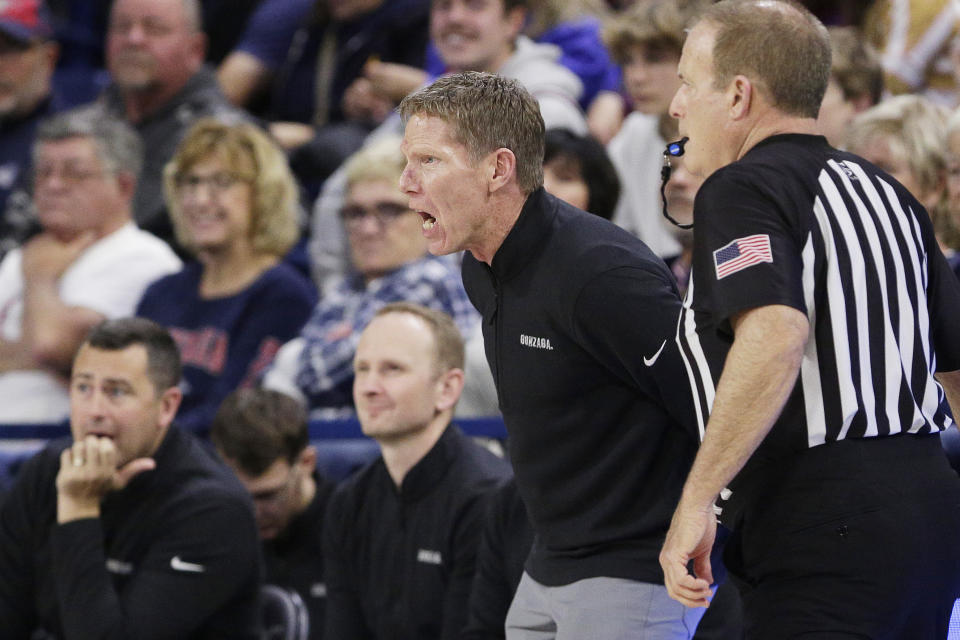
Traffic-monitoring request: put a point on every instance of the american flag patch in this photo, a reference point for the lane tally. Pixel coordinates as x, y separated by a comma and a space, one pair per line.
742, 253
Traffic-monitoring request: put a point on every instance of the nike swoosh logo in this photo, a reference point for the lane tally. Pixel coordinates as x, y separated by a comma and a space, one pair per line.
179, 565
649, 361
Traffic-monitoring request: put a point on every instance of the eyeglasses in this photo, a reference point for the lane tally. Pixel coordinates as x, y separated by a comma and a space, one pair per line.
217, 182
383, 212
68, 173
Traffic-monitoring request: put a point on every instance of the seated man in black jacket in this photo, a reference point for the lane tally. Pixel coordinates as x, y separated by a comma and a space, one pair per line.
262, 435
400, 537
132, 530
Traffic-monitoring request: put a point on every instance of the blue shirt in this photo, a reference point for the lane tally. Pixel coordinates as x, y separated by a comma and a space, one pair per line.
225, 343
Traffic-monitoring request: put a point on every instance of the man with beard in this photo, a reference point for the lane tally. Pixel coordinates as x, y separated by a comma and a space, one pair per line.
160, 86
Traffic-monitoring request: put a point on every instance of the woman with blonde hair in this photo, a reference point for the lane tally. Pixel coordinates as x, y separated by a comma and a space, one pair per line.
389, 263
908, 136
233, 202
948, 229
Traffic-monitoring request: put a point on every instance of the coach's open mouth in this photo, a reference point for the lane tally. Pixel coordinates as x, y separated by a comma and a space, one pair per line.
428, 220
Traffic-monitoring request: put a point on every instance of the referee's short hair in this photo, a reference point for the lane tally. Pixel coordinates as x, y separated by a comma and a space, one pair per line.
782, 47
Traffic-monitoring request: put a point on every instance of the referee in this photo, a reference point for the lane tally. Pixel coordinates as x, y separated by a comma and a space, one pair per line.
819, 311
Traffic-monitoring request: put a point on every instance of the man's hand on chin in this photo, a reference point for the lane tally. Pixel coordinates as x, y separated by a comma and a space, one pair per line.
88, 472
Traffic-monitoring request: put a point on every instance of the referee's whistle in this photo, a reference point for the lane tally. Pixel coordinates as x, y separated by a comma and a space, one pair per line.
675, 150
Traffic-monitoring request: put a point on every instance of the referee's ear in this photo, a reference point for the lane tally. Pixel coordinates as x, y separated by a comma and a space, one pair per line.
740, 96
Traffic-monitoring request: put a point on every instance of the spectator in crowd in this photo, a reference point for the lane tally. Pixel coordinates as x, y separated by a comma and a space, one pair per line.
950, 232
906, 136
233, 202
914, 38
160, 86
578, 170
297, 60
646, 42
594, 403
573, 26
480, 35
80, 27
89, 263
262, 435
856, 83
390, 263
132, 529
487, 36
28, 56
400, 537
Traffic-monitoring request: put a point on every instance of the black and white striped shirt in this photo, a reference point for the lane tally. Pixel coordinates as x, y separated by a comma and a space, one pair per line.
797, 223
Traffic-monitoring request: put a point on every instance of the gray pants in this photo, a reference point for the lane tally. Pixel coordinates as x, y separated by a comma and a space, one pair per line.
599, 609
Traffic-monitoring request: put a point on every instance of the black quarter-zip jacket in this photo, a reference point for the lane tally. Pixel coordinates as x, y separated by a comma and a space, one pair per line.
579, 319
174, 554
399, 562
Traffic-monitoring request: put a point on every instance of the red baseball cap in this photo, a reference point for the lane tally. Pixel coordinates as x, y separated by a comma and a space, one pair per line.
25, 20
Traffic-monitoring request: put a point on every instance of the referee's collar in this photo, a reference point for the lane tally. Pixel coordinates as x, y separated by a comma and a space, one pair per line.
795, 138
